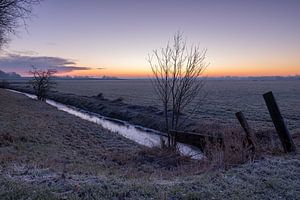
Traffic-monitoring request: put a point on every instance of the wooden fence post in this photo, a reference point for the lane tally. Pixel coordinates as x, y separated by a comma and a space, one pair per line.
280, 126
240, 116
249, 135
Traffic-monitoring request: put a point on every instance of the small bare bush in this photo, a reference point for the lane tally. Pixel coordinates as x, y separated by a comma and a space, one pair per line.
42, 82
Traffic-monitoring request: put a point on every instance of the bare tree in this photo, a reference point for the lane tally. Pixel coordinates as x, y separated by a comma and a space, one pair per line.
42, 82
13, 13
177, 79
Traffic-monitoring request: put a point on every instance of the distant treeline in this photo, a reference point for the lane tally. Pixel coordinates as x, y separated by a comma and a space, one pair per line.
87, 78
256, 78
14, 75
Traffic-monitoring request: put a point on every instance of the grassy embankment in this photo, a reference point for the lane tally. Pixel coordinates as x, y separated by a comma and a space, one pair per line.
49, 154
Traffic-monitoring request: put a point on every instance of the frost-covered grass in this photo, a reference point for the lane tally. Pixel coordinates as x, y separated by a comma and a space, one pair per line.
222, 98
48, 154
272, 178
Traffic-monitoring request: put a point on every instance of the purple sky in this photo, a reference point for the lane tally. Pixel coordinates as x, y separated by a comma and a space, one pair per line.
242, 37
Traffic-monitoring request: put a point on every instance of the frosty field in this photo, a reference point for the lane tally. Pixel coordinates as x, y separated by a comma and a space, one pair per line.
222, 98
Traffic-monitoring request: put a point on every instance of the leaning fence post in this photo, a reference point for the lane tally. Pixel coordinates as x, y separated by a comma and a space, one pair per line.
240, 116
249, 135
280, 126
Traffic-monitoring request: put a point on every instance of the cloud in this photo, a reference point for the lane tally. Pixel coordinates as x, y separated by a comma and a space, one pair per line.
26, 53
23, 63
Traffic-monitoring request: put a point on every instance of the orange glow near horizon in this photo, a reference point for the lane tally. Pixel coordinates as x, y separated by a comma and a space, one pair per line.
114, 38
211, 72
253, 71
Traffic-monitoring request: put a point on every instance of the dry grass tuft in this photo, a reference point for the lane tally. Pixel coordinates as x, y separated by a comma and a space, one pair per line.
6, 139
234, 150
164, 158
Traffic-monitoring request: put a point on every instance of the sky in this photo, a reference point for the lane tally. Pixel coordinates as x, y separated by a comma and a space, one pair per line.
114, 37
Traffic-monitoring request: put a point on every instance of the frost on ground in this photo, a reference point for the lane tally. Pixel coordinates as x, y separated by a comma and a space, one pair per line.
48, 154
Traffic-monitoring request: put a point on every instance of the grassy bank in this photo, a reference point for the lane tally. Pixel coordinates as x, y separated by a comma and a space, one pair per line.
49, 154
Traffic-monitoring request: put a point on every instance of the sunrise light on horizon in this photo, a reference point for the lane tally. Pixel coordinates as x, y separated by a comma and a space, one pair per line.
114, 38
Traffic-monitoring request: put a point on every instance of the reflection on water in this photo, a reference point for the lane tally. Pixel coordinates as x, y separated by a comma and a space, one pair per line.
141, 135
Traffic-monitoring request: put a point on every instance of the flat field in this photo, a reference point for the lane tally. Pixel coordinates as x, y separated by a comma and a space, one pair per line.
220, 100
